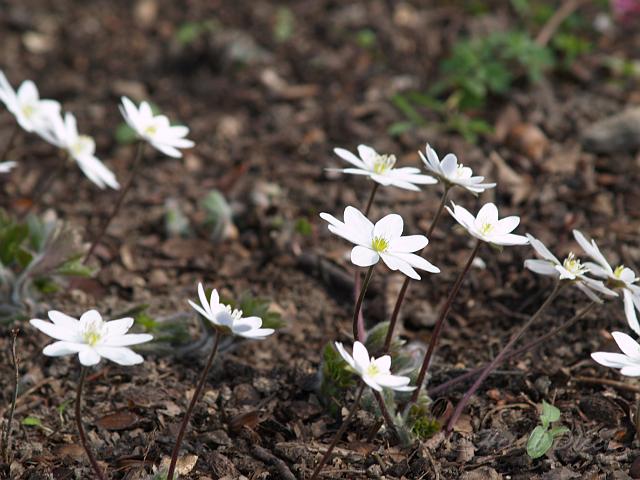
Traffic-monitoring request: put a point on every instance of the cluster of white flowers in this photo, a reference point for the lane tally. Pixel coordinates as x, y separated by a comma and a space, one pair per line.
46, 119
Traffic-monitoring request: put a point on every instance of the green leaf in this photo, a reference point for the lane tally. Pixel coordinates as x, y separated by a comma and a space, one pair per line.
549, 414
125, 135
558, 431
539, 443
284, 26
303, 227
398, 128
31, 422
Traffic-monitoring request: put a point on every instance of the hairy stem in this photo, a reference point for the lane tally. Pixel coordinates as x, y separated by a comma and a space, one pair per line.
440, 323
443, 387
194, 400
356, 310
407, 280
338, 434
123, 193
8, 428
498, 359
83, 437
385, 413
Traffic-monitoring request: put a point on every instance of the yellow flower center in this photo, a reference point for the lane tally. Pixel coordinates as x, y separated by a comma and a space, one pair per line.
93, 332
373, 370
380, 244
151, 130
382, 163
91, 338
28, 111
618, 271
82, 145
573, 265
486, 228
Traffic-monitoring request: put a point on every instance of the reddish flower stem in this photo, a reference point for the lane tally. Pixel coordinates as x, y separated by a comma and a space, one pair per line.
81, 433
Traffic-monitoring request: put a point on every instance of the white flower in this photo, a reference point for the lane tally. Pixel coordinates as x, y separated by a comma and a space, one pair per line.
227, 320
91, 338
620, 277
451, 173
155, 129
5, 167
382, 240
570, 269
63, 133
380, 168
486, 226
628, 361
375, 372
31, 113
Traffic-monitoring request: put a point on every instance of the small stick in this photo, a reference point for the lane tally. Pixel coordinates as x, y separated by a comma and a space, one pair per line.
440, 323
8, 428
498, 359
338, 434
608, 382
83, 437
116, 208
561, 14
194, 400
407, 280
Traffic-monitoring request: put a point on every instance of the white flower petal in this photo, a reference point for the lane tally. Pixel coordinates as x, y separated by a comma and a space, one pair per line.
349, 157
612, 360
119, 327
592, 250
368, 155
61, 348
126, 340
417, 261
88, 356
363, 256
360, 356
628, 345
345, 355
54, 331
389, 227
506, 225
630, 312
408, 243
541, 249
119, 355
62, 320
542, 267
449, 164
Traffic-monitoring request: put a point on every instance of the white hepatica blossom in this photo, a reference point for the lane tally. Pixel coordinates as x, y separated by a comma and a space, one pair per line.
5, 167
91, 338
570, 269
621, 277
227, 320
155, 129
63, 133
486, 226
628, 361
31, 113
452, 173
375, 372
382, 240
381, 169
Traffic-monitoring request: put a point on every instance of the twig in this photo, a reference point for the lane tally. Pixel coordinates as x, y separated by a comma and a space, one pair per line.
266, 456
608, 382
8, 428
549, 28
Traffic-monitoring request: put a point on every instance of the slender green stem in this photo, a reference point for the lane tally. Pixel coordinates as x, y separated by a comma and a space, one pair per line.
83, 437
356, 310
443, 387
496, 361
440, 323
407, 280
372, 195
194, 400
123, 193
338, 434
12, 137
8, 429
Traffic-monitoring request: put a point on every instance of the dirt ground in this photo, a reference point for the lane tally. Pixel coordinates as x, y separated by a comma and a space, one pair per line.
266, 110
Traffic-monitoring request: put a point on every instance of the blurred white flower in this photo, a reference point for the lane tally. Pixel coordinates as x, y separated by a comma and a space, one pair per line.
155, 129
451, 173
570, 269
31, 113
381, 169
91, 338
628, 361
620, 277
227, 320
5, 167
382, 240
374, 372
486, 226
63, 133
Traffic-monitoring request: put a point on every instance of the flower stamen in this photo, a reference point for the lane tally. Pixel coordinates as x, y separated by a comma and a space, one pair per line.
382, 163
380, 244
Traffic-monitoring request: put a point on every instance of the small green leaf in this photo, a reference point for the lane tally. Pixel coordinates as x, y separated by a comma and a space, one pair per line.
549, 414
558, 431
303, 227
284, 25
125, 135
31, 422
539, 443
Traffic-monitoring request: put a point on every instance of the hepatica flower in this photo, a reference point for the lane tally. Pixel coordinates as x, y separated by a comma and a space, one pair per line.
620, 277
91, 338
63, 133
228, 320
31, 112
452, 173
381, 169
570, 269
155, 129
383, 240
628, 361
375, 372
487, 227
